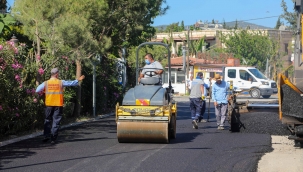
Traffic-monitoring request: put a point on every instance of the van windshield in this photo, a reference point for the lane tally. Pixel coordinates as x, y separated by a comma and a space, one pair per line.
257, 73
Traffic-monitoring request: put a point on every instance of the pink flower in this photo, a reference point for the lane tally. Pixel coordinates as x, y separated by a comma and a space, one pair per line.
104, 88
38, 57
1, 47
11, 43
1, 107
66, 68
41, 71
17, 77
17, 115
35, 100
16, 50
17, 65
41, 93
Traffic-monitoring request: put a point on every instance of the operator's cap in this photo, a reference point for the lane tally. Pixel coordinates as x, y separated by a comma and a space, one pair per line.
217, 76
54, 71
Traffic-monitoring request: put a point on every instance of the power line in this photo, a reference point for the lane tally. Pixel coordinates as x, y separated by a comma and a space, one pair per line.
253, 19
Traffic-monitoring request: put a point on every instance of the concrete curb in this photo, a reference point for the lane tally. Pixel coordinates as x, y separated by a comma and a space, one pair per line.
39, 133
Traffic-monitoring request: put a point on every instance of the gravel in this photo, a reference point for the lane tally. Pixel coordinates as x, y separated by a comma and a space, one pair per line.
263, 123
291, 102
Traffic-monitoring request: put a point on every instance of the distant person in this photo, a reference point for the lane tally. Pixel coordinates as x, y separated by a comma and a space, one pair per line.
219, 96
196, 98
206, 90
53, 89
189, 83
152, 67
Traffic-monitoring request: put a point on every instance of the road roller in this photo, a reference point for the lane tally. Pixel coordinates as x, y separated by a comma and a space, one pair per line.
291, 108
148, 112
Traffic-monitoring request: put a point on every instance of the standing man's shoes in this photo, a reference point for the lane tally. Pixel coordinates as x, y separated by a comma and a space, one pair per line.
45, 139
195, 125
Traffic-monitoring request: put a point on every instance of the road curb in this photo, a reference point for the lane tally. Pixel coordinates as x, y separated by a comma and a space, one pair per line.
39, 133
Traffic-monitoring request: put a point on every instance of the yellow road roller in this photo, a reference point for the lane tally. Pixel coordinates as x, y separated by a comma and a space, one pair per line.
148, 112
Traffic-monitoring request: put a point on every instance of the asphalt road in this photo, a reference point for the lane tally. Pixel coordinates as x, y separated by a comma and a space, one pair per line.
93, 146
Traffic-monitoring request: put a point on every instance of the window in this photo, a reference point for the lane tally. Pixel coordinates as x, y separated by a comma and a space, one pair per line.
172, 77
231, 73
257, 73
245, 75
180, 77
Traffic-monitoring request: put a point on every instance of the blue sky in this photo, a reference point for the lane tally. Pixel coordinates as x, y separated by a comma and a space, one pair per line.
10, 2
191, 11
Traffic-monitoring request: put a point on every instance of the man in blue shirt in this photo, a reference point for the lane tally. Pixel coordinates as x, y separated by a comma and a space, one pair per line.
220, 98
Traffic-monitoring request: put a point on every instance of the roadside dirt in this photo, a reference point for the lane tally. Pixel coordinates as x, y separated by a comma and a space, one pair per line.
284, 157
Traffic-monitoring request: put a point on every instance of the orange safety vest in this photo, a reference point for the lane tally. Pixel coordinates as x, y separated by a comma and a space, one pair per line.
53, 92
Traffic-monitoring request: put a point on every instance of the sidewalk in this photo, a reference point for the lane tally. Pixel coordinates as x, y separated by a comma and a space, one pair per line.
39, 133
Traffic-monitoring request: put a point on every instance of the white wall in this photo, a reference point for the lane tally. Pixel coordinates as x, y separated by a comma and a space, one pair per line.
178, 88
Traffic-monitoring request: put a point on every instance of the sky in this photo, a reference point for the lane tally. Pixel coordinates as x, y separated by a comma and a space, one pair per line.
191, 11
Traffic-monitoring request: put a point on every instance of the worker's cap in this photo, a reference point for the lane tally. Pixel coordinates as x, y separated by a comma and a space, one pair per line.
200, 74
54, 71
217, 76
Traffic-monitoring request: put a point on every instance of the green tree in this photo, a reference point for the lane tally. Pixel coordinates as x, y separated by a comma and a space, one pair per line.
213, 21
3, 5
174, 27
278, 24
182, 27
224, 24
82, 29
236, 25
290, 17
252, 46
5, 21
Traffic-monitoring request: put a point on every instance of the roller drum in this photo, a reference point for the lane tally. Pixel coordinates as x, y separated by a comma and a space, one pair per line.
299, 130
142, 131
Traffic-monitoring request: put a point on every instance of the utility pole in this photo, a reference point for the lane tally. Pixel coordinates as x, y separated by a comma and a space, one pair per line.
298, 68
187, 62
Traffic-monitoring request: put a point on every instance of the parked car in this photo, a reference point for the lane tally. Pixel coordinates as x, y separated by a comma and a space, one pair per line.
250, 79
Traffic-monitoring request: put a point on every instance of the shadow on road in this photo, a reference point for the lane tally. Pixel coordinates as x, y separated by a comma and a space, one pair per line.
185, 137
86, 132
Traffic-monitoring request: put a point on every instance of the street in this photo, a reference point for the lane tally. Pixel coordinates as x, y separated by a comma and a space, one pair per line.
93, 146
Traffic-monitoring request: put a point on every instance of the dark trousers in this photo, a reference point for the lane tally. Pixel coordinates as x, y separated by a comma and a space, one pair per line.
53, 115
202, 109
196, 105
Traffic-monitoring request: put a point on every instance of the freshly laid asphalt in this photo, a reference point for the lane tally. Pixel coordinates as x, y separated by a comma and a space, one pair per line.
93, 146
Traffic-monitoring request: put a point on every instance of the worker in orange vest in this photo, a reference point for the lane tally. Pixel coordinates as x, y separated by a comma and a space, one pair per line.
53, 89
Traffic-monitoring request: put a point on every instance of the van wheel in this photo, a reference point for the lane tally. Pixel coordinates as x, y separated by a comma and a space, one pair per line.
255, 93
266, 96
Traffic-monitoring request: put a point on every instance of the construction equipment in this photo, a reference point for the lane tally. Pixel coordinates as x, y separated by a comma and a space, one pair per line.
148, 112
290, 99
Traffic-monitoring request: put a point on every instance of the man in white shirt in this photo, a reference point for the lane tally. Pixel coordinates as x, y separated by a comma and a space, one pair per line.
152, 67
189, 82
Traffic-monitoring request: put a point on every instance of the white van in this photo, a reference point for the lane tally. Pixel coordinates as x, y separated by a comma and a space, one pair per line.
250, 79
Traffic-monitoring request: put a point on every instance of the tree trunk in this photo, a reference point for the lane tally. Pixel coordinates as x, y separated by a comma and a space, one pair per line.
38, 49
78, 103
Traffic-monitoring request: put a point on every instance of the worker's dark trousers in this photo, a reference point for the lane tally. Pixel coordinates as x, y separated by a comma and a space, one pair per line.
203, 109
53, 115
196, 105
